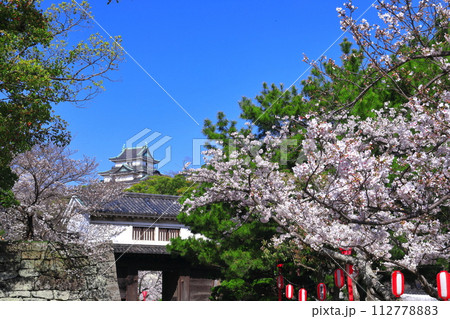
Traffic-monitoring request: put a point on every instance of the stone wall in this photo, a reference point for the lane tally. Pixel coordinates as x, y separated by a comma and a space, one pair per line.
49, 271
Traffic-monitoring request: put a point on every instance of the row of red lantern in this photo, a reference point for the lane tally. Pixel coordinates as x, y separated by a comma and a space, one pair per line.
397, 283
290, 291
303, 294
442, 279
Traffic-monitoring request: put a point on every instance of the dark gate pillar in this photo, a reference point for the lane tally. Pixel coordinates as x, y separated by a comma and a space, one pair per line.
183, 289
122, 273
169, 284
132, 285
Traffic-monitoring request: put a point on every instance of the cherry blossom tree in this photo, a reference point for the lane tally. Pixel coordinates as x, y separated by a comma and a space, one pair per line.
407, 51
375, 183
363, 184
54, 192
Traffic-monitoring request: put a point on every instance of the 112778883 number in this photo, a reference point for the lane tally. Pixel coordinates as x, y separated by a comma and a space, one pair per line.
404, 310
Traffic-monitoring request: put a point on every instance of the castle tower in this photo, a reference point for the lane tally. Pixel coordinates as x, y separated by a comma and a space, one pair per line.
131, 166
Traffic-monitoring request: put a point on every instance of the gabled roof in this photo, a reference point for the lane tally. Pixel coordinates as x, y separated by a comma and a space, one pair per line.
133, 153
121, 169
141, 205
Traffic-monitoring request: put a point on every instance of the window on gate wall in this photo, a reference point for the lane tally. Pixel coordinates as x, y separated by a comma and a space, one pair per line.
166, 234
143, 233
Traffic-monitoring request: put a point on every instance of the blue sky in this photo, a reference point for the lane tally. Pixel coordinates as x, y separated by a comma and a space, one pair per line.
207, 55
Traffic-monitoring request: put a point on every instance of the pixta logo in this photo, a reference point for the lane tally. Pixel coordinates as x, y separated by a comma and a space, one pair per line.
154, 142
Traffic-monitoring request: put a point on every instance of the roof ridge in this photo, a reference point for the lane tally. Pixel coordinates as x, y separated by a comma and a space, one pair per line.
133, 194
134, 153
135, 148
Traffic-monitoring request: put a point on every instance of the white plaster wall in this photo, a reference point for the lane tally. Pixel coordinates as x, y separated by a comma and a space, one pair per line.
118, 164
126, 236
125, 178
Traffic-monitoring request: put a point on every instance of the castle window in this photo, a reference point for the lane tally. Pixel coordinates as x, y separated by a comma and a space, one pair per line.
143, 233
166, 234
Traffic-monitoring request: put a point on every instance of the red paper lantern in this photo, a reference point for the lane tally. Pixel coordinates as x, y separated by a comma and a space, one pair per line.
280, 282
443, 285
349, 269
321, 291
302, 295
289, 291
339, 279
398, 283
345, 251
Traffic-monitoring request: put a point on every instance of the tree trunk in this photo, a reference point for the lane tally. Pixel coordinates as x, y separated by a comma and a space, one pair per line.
29, 227
356, 295
429, 289
371, 295
375, 288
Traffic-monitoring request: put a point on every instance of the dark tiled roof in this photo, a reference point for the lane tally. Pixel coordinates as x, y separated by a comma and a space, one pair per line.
141, 205
117, 170
140, 249
129, 154
125, 170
